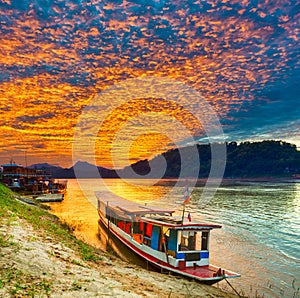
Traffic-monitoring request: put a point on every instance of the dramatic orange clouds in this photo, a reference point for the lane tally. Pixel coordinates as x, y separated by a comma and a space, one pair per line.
55, 57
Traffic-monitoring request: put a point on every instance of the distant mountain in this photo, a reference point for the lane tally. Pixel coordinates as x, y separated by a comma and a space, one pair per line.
53, 170
266, 158
42, 166
248, 159
82, 169
85, 170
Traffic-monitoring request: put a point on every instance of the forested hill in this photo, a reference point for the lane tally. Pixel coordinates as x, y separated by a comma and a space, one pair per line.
245, 160
248, 159
267, 158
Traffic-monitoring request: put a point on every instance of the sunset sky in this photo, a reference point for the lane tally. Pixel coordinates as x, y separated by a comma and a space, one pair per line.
57, 56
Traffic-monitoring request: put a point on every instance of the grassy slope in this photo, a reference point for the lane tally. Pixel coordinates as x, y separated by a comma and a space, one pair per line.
47, 225
43, 222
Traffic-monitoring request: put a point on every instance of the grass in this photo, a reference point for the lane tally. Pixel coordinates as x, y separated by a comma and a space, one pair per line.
47, 225
76, 285
6, 242
21, 283
42, 221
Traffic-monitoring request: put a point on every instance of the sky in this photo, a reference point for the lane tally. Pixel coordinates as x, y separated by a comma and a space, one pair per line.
58, 59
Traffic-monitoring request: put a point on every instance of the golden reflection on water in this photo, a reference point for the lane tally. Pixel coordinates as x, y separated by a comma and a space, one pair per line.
79, 214
137, 190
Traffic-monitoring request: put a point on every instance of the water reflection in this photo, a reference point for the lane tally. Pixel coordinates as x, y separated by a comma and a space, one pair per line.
137, 190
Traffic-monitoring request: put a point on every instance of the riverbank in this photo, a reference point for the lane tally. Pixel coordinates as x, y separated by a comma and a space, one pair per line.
40, 257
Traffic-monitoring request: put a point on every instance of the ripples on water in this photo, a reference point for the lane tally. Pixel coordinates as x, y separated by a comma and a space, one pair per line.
260, 234
261, 225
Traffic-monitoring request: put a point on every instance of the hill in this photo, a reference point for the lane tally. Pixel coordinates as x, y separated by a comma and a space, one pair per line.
244, 160
85, 169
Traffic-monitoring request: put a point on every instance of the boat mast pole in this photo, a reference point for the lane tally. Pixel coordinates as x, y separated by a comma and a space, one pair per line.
186, 199
183, 213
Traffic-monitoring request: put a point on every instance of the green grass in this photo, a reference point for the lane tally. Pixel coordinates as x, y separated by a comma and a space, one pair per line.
6, 242
46, 225
76, 285
22, 284
42, 221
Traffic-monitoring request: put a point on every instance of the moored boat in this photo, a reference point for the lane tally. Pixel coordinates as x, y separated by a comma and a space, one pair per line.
30, 181
50, 197
159, 238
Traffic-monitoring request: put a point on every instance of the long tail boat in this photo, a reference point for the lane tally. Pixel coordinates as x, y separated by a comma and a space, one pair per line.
159, 238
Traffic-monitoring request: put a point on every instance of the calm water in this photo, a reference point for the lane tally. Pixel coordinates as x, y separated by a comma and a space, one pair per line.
260, 237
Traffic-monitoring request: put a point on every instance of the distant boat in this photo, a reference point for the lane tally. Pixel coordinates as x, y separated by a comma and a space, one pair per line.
30, 181
159, 238
50, 197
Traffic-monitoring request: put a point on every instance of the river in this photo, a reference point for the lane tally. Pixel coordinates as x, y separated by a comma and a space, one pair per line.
260, 238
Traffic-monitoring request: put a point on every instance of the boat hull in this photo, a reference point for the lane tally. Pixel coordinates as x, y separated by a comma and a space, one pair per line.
128, 251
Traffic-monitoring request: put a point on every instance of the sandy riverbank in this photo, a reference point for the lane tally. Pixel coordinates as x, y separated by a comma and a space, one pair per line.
35, 263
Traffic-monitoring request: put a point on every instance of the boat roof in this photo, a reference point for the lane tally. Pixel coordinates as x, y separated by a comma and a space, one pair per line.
129, 207
178, 225
158, 216
12, 165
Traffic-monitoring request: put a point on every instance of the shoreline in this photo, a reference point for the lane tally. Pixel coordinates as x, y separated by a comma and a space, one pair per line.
41, 257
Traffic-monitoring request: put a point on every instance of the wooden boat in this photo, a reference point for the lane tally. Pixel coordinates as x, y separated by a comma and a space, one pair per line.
50, 197
159, 238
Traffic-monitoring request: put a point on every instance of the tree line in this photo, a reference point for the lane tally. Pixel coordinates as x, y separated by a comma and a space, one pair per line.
247, 159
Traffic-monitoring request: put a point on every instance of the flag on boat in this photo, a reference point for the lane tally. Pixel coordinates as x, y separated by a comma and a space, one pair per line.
187, 196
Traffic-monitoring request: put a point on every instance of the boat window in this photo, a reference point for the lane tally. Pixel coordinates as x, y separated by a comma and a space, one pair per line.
204, 240
137, 228
121, 225
148, 230
192, 241
112, 218
188, 240
165, 234
128, 227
